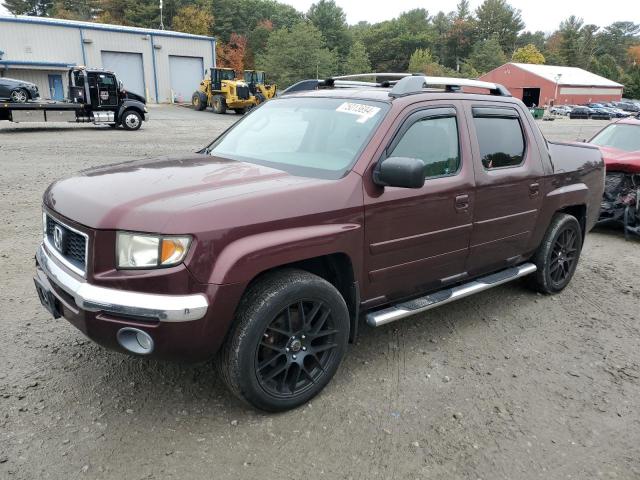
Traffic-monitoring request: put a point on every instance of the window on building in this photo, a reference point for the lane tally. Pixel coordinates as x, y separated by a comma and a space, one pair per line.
435, 141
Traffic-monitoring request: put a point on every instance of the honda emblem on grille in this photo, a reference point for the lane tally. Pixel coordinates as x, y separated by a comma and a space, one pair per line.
57, 237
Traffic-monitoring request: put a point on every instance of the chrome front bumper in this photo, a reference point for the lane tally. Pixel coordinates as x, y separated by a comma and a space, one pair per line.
166, 308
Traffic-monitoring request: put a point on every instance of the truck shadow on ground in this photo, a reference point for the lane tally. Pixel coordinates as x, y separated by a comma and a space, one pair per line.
124, 383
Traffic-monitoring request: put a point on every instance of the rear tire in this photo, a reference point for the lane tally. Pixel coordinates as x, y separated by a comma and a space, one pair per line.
219, 104
289, 337
240, 111
558, 255
199, 101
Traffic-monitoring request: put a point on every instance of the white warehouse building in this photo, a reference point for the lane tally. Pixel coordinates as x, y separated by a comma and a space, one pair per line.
163, 66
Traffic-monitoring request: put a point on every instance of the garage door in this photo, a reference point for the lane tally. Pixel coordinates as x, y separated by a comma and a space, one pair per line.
186, 75
127, 67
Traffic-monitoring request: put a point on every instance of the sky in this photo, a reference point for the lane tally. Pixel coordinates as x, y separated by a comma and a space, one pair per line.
543, 15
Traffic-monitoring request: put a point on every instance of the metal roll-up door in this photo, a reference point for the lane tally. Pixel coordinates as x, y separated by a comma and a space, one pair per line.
128, 68
186, 75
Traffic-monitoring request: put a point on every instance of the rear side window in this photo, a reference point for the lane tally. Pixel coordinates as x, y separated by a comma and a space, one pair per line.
435, 141
501, 141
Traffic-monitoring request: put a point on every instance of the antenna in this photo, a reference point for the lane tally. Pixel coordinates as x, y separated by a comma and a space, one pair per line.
161, 21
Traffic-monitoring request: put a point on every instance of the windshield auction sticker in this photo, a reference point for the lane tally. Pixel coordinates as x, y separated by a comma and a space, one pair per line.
365, 112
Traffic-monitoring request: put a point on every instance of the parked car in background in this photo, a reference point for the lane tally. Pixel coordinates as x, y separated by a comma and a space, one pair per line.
561, 110
17, 91
628, 107
613, 112
580, 113
600, 113
619, 144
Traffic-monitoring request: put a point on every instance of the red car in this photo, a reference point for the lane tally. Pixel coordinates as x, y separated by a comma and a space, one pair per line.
619, 143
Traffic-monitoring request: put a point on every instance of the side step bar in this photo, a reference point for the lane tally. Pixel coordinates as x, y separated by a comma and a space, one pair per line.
441, 297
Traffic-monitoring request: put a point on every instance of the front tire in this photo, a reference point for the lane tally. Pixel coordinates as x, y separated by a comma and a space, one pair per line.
131, 120
240, 111
219, 104
558, 255
290, 335
19, 96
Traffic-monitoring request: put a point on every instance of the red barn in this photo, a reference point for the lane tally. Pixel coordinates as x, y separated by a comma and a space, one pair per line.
547, 84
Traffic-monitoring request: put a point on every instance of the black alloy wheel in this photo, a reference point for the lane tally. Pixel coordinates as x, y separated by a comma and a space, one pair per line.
289, 336
564, 256
296, 348
557, 256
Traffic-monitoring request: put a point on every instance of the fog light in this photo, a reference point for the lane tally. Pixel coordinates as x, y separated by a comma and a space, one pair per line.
135, 340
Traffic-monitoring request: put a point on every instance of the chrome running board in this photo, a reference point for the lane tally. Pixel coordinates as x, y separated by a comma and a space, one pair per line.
441, 297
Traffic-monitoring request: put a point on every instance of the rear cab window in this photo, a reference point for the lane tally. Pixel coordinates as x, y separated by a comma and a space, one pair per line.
500, 137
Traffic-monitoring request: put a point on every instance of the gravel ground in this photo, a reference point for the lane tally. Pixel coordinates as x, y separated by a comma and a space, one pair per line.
504, 385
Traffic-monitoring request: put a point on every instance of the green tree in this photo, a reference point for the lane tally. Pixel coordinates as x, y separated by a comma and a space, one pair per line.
487, 55
242, 16
537, 39
570, 31
297, 53
75, 9
37, 8
606, 66
498, 18
528, 54
357, 60
330, 19
193, 19
391, 43
419, 60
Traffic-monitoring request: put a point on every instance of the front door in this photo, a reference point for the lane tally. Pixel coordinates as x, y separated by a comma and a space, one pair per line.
56, 90
418, 239
107, 90
508, 171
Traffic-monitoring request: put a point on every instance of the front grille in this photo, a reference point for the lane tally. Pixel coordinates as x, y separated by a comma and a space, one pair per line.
72, 246
243, 92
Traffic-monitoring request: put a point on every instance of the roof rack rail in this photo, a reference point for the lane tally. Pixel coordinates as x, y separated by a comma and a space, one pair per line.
412, 84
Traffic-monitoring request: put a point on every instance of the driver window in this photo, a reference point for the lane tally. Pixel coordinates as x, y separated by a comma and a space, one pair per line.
435, 141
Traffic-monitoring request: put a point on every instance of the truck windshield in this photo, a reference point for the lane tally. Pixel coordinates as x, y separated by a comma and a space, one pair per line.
621, 136
311, 136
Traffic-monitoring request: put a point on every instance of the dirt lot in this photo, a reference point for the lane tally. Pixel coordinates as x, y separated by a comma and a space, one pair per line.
503, 385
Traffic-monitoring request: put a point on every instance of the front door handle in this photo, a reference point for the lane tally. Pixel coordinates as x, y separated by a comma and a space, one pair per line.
534, 189
462, 203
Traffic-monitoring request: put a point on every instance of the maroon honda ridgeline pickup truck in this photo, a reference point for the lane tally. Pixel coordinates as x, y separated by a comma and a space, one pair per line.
317, 209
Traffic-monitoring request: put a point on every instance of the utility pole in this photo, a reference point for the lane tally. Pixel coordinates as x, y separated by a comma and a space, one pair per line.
161, 20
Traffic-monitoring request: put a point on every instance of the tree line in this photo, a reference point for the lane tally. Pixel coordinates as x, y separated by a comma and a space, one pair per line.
291, 45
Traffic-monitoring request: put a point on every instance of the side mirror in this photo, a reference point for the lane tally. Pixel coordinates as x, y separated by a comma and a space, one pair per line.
401, 172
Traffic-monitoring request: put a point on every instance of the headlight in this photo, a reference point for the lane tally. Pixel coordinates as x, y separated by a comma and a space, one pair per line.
137, 250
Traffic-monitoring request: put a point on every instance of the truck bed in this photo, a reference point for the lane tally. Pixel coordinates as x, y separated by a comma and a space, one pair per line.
41, 105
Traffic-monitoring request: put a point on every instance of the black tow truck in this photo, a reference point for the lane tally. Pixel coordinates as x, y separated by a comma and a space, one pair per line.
95, 96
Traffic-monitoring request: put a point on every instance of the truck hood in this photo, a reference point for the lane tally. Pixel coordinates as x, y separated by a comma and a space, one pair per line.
169, 194
620, 160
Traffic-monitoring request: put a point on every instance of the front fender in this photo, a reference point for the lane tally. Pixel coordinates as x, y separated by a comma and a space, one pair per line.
242, 260
131, 104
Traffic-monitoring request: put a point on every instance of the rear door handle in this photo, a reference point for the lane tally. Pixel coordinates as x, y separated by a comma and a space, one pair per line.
534, 189
462, 203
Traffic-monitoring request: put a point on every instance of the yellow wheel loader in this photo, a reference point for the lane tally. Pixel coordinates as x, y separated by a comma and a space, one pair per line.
256, 79
221, 90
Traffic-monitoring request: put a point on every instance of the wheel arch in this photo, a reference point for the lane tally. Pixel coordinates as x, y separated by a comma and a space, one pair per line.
579, 211
335, 268
131, 105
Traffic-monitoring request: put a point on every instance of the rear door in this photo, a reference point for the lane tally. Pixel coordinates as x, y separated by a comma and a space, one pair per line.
508, 171
418, 239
